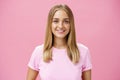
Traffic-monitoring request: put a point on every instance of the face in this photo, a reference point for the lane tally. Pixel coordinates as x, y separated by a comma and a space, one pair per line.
60, 24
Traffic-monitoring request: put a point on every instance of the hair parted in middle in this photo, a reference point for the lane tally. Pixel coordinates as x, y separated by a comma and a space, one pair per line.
72, 49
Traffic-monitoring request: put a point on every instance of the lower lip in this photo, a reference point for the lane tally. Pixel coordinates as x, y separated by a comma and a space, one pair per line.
60, 32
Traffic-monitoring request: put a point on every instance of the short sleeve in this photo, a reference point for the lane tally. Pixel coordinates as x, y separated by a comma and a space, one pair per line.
34, 60
87, 65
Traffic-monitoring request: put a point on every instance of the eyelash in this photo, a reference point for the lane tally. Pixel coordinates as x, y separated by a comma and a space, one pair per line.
55, 21
58, 21
66, 21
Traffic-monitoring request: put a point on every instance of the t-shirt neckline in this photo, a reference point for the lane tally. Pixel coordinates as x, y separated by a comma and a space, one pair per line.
59, 49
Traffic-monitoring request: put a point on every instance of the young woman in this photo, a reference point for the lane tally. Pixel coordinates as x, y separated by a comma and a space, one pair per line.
60, 57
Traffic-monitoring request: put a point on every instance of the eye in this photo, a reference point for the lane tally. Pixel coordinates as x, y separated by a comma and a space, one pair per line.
55, 21
67, 21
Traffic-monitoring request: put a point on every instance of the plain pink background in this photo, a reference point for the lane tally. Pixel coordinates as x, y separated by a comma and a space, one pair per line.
22, 27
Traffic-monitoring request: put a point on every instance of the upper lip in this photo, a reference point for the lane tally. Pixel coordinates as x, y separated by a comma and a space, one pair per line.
60, 30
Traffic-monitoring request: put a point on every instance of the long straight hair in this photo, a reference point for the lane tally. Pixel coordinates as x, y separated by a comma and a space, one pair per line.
72, 49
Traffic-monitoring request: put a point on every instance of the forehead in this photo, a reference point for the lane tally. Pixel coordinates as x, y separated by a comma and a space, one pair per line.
60, 14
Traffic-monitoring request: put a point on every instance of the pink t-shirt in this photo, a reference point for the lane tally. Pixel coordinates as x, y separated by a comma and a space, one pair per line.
60, 68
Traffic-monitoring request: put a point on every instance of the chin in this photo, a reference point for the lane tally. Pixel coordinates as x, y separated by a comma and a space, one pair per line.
60, 36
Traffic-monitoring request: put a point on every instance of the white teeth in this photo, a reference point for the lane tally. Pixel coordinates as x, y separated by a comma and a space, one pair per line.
60, 30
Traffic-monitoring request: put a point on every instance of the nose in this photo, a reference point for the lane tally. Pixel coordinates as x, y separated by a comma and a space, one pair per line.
61, 25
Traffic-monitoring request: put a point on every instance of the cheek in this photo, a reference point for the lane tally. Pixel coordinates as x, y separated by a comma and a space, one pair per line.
53, 26
68, 27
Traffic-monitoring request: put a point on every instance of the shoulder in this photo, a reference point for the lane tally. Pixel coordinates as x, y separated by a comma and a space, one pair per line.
36, 57
39, 47
84, 50
82, 46
38, 50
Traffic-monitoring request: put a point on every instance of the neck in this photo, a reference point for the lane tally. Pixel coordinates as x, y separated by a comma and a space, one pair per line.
60, 43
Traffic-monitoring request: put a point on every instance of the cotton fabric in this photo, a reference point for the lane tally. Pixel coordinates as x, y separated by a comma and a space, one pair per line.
60, 68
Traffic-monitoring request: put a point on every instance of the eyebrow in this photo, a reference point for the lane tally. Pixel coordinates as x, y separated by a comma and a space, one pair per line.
58, 18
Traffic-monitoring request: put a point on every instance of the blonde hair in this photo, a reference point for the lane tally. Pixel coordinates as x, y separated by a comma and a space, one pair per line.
72, 49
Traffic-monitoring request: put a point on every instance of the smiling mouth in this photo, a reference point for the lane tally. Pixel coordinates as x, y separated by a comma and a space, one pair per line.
60, 31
